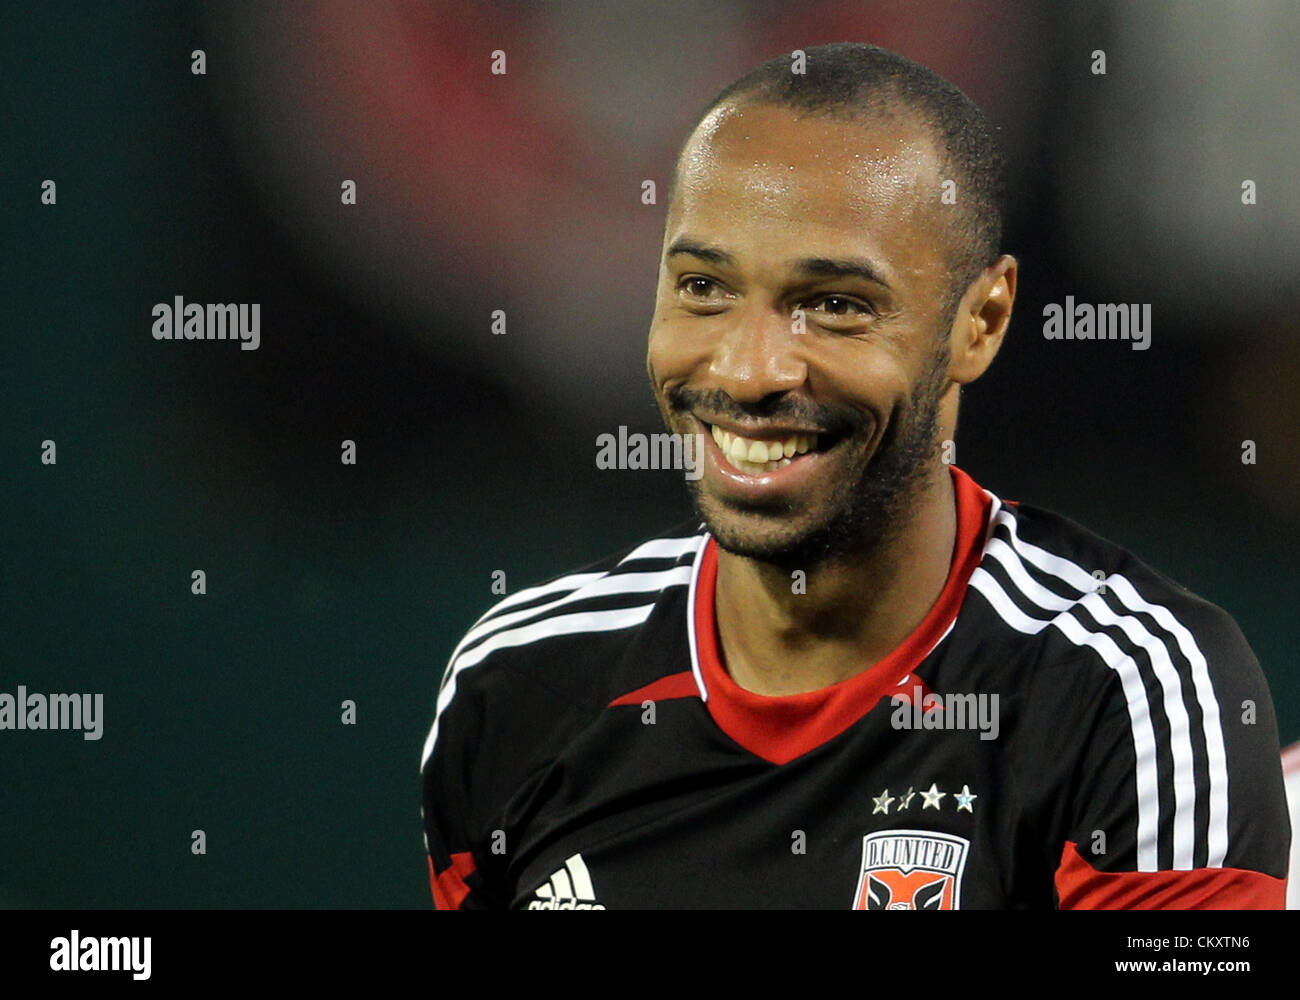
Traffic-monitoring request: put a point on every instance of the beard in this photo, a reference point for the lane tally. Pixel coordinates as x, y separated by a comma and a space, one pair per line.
865, 509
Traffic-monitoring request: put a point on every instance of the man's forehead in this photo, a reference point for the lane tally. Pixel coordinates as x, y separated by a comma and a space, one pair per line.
883, 134
793, 166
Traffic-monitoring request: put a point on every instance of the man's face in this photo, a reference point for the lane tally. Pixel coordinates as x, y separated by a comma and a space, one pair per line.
820, 426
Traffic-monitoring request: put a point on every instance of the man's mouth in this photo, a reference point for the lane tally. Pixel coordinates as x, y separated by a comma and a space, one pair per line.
760, 455
756, 456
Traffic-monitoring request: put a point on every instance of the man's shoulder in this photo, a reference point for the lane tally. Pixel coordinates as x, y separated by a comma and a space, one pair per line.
564, 639
1056, 583
608, 595
1145, 715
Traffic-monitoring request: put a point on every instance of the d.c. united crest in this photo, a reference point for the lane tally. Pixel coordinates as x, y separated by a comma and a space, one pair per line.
911, 870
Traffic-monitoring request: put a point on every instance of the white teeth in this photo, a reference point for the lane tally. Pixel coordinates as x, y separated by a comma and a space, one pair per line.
755, 457
759, 468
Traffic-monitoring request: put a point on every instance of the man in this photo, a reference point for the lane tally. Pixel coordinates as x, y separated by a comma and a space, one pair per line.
864, 681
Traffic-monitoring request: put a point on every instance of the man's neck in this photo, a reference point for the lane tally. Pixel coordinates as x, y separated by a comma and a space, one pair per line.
853, 612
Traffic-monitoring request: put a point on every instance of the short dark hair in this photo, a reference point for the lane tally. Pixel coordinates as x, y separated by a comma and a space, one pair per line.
854, 81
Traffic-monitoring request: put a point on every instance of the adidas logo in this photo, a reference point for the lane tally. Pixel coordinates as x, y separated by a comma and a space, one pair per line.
569, 888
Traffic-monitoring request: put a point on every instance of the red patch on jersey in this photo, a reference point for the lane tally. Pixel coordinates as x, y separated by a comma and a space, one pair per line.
449, 888
680, 685
1079, 886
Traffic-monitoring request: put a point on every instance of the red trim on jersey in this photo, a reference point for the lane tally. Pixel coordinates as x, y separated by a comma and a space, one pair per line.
449, 888
782, 727
1081, 887
673, 686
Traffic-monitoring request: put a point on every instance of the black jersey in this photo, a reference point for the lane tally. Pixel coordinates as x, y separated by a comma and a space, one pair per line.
1066, 728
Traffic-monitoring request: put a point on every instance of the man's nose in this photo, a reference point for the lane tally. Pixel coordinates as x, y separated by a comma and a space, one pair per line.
759, 355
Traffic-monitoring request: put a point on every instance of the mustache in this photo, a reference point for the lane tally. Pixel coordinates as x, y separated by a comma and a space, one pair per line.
779, 409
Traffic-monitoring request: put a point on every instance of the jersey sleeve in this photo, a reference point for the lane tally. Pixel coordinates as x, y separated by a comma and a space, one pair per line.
1178, 800
459, 850
497, 727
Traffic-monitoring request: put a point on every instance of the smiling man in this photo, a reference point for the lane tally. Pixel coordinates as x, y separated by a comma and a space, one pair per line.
863, 681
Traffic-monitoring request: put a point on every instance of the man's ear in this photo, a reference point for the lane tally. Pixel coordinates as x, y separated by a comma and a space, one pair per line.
982, 320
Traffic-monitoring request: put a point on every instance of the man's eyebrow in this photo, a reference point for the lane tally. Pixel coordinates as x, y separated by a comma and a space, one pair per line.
815, 267
841, 267
714, 255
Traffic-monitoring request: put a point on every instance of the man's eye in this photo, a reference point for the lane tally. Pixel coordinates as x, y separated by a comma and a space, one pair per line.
701, 288
839, 305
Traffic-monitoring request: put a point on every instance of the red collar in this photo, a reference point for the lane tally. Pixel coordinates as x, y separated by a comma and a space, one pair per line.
783, 727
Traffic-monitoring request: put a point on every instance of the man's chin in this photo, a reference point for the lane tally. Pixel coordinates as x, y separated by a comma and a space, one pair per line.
803, 535
781, 539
